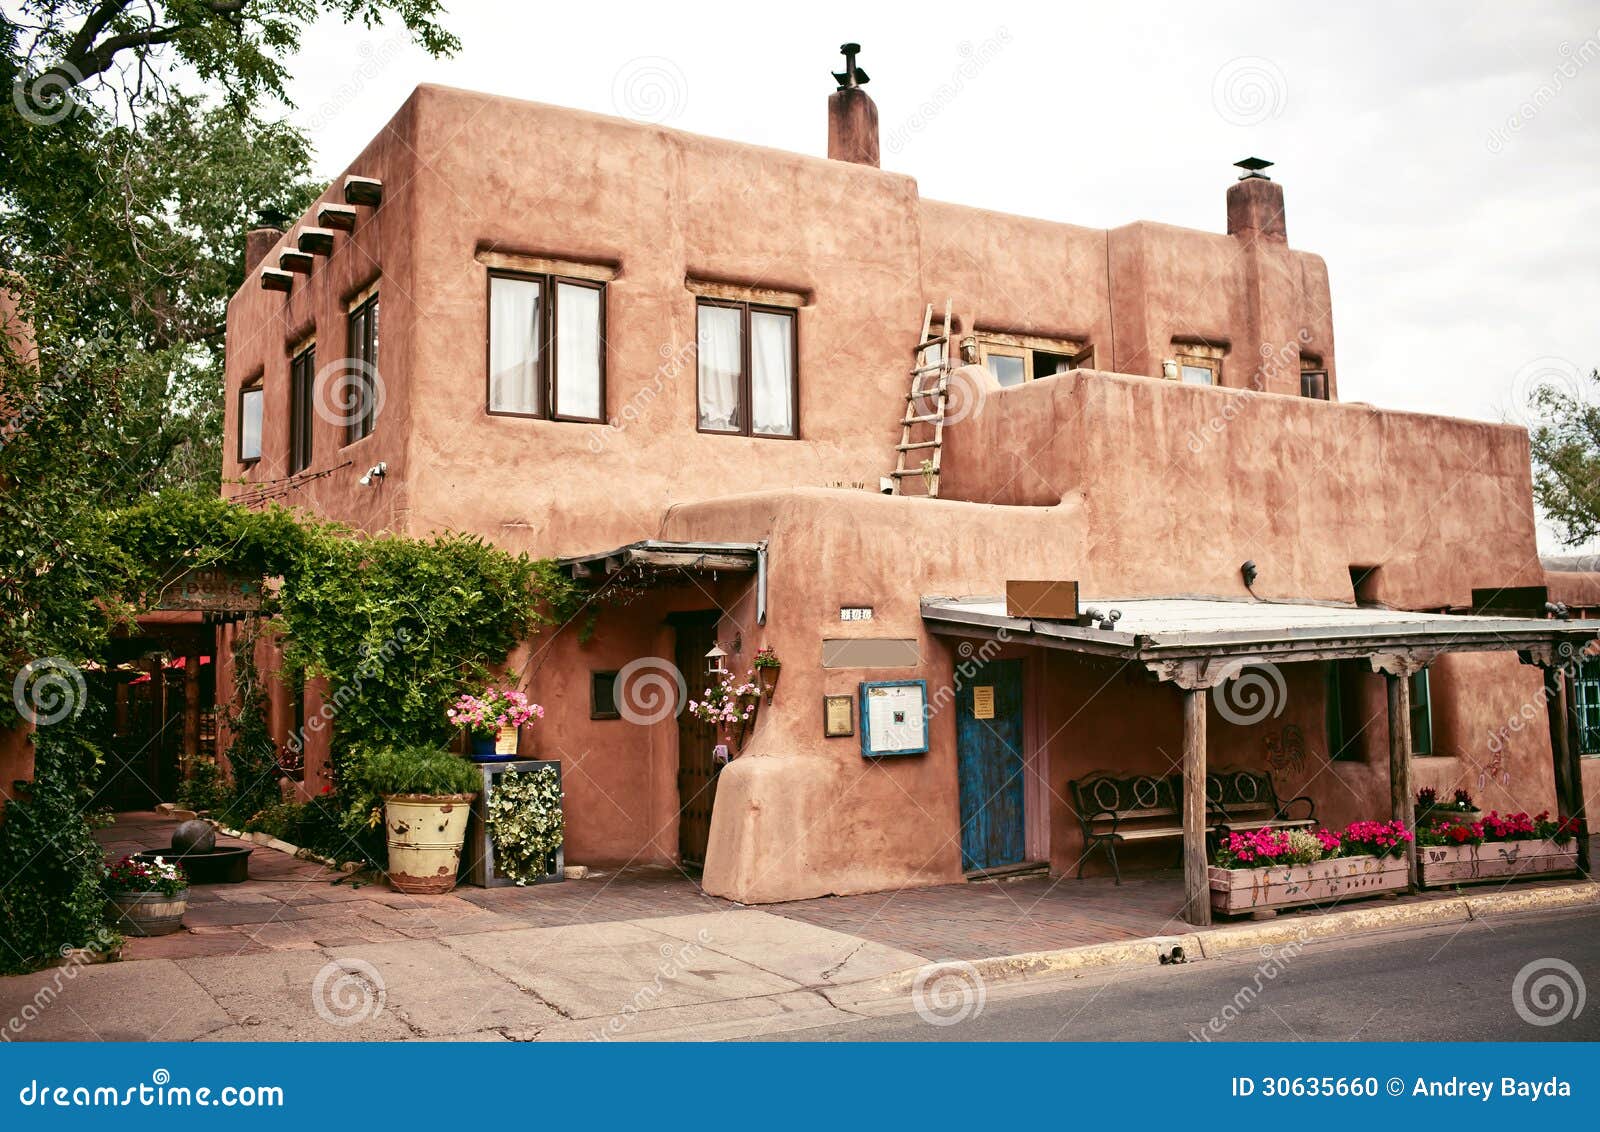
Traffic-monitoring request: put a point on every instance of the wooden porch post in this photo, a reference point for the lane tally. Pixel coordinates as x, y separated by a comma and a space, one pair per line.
1564, 750
1401, 808
191, 714
1197, 889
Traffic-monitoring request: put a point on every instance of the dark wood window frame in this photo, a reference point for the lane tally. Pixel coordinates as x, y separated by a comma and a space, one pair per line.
1422, 738
365, 352
302, 391
1586, 706
548, 347
259, 388
596, 710
746, 374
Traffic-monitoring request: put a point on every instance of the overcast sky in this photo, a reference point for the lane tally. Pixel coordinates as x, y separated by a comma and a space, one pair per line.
1443, 158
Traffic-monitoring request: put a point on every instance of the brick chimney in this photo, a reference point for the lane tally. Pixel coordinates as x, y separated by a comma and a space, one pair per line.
260, 239
852, 115
1255, 203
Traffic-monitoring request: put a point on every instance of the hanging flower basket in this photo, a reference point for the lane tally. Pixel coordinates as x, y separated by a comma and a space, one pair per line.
767, 670
731, 704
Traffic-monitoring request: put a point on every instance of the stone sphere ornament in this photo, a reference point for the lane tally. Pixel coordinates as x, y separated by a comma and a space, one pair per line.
194, 836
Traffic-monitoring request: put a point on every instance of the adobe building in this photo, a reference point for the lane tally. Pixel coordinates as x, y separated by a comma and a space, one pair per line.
683, 366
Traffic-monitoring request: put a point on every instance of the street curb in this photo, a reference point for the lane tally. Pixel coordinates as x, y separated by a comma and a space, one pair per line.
1214, 943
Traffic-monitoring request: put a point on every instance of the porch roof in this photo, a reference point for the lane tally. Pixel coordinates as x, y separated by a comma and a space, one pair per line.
1166, 633
657, 554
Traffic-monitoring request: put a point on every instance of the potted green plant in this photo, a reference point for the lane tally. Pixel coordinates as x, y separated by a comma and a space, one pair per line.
492, 722
427, 793
768, 668
146, 897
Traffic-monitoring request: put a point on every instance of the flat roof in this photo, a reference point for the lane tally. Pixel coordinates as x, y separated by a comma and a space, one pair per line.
1159, 629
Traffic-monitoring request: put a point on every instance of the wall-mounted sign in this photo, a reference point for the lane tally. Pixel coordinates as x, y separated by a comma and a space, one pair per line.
983, 701
855, 613
893, 718
870, 652
211, 591
838, 716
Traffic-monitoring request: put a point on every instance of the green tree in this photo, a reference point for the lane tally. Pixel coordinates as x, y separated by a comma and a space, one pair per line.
1566, 459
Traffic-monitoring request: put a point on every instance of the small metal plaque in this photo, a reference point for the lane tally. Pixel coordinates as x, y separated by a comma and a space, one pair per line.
855, 613
983, 701
838, 716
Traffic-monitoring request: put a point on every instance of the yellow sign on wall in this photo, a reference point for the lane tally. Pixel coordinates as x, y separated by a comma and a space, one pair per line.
983, 701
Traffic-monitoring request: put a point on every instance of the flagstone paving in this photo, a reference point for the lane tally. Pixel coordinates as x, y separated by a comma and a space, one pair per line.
304, 952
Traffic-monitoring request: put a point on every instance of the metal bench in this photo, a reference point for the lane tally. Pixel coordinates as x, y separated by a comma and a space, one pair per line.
1119, 811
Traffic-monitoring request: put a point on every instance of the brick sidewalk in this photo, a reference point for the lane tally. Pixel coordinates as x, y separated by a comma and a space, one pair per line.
290, 905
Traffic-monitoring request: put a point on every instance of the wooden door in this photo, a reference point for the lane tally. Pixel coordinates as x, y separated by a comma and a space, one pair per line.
990, 766
697, 779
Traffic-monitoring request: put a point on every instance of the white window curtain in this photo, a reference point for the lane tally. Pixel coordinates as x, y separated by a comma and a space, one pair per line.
250, 425
772, 373
514, 333
578, 352
720, 351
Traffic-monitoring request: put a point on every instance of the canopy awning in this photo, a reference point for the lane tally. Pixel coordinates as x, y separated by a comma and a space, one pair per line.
1197, 636
657, 560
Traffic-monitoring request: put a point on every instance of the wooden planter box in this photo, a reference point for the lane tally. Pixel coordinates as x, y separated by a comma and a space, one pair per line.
1442, 865
1234, 891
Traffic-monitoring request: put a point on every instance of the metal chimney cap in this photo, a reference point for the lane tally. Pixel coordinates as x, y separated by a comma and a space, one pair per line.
1253, 167
270, 217
852, 75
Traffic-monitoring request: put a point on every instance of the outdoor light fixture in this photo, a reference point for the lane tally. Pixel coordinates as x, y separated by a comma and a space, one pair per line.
376, 472
1169, 369
1248, 571
714, 660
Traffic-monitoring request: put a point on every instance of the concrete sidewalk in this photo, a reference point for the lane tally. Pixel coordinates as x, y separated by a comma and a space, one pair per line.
301, 952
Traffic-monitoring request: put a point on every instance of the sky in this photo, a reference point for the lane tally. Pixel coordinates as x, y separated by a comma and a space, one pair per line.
1441, 157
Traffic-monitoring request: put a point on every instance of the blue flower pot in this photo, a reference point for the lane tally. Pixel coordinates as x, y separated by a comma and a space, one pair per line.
482, 751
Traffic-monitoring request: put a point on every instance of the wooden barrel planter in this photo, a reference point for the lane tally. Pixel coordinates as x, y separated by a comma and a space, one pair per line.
1445, 865
1237, 891
146, 913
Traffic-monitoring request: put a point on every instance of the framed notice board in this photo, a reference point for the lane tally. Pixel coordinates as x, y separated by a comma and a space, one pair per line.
894, 719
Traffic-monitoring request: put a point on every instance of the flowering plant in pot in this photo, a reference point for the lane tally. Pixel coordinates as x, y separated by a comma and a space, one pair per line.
146, 897
730, 704
767, 669
1282, 868
427, 795
492, 721
1458, 807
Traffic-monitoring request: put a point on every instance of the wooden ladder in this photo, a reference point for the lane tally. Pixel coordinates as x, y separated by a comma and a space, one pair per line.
916, 400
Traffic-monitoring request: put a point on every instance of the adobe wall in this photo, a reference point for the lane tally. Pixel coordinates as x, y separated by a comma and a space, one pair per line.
1183, 484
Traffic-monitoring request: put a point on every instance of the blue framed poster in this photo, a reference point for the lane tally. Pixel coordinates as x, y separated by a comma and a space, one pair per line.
894, 718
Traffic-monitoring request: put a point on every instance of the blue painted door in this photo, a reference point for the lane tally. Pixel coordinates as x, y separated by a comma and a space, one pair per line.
989, 758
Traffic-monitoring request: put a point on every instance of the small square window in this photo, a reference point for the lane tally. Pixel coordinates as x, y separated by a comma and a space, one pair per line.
603, 696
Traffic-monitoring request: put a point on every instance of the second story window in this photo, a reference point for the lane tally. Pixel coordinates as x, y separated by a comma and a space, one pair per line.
1015, 359
250, 404
302, 375
747, 369
547, 347
363, 391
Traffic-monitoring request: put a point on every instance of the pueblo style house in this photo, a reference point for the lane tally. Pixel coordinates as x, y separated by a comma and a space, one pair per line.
684, 367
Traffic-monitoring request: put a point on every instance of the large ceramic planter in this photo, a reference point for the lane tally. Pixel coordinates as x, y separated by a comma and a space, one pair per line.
426, 832
1235, 891
1442, 865
146, 913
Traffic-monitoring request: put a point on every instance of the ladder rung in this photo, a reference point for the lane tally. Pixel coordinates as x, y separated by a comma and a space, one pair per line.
925, 418
929, 368
926, 342
919, 394
913, 472
918, 444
